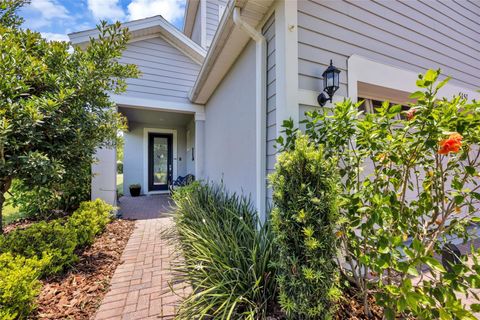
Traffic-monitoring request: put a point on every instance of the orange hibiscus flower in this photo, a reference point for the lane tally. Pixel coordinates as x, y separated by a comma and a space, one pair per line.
411, 114
452, 144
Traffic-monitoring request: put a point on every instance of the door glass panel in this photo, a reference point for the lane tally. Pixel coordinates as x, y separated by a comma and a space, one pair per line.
160, 160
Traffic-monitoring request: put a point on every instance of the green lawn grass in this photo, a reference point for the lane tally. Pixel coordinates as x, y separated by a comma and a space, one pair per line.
120, 184
10, 213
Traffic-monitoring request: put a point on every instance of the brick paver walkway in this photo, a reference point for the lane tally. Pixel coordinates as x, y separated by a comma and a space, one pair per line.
140, 287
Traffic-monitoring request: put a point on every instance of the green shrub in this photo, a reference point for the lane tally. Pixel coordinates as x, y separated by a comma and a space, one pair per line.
40, 239
226, 255
53, 198
19, 285
119, 167
89, 220
42, 249
303, 221
58, 238
409, 186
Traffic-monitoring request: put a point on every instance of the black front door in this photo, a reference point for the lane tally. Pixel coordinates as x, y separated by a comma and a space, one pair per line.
160, 161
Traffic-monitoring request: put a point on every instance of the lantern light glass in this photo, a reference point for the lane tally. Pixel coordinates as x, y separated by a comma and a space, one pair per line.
331, 83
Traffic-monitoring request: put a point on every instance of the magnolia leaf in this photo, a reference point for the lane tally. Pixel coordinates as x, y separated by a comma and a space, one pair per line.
475, 307
430, 75
434, 264
417, 94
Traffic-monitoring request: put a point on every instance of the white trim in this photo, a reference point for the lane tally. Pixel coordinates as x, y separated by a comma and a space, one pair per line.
261, 106
146, 131
203, 23
160, 105
309, 98
225, 48
191, 8
380, 74
145, 27
286, 41
200, 116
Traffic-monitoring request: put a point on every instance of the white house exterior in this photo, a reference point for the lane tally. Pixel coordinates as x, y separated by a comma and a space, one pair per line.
218, 92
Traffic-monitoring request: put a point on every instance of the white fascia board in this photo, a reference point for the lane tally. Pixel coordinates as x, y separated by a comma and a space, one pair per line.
169, 106
225, 48
203, 23
149, 26
369, 71
189, 18
286, 41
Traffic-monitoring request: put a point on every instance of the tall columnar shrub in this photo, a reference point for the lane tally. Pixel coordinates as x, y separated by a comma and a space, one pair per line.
303, 221
226, 255
410, 185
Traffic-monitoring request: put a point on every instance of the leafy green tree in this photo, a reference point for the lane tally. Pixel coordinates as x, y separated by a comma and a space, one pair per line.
55, 108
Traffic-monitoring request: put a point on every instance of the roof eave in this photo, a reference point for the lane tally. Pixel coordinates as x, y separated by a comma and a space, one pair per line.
145, 27
191, 9
226, 46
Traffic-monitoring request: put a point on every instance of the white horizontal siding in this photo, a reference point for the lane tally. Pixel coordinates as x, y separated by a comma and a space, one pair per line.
213, 18
166, 73
271, 125
413, 35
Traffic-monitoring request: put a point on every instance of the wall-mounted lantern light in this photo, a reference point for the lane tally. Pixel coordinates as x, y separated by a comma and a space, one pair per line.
331, 83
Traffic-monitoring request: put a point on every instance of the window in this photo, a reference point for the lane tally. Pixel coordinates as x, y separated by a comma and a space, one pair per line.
370, 106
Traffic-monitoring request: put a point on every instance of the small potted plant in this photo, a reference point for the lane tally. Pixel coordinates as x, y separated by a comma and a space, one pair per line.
135, 189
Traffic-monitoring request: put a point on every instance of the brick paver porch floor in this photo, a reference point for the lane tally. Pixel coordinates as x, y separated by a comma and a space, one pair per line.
140, 287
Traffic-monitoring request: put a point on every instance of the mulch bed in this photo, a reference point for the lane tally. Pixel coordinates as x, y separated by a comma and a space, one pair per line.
78, 293
350, 307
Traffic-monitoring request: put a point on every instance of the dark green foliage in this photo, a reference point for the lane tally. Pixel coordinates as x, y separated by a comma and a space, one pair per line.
44, 249
55, 108
40, 239
119, 167
19, 285
55, 198
303, 221
226, 254
89, 220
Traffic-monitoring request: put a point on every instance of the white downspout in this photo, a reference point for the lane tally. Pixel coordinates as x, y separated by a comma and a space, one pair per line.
261, 104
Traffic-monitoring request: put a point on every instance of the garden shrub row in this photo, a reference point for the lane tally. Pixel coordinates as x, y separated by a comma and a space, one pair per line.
44, 249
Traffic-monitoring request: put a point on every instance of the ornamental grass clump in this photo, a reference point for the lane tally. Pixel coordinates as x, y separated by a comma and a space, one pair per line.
410, 187
226, 255
303, 220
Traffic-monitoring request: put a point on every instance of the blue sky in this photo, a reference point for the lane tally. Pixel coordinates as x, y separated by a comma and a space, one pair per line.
56, 18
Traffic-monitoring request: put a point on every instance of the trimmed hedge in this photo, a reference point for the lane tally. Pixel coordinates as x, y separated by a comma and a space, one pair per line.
19, 285
43, 249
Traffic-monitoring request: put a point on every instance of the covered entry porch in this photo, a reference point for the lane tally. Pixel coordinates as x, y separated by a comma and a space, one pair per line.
161, 145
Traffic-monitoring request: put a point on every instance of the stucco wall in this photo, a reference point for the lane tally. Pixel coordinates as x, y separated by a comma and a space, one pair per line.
133, 161
230, 127
190, 144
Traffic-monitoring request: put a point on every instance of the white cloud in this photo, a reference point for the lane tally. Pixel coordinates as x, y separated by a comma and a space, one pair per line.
171, 10
55, 36
106, 9
43, 12
50, 9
